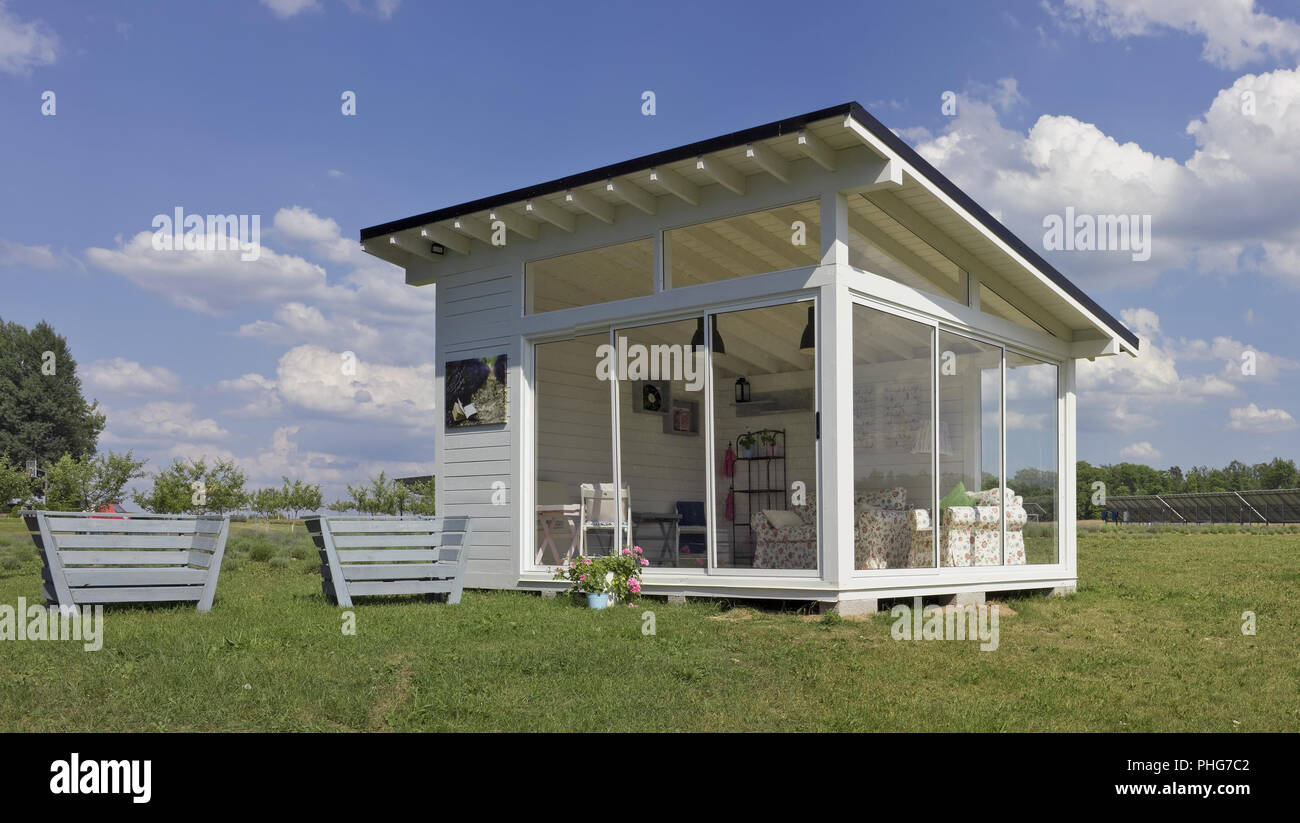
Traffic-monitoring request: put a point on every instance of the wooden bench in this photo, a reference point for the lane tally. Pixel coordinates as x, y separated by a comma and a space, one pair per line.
362, 556
128, 558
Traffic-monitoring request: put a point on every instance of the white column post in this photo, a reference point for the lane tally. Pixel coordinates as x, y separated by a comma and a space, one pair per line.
835, 382
1067, 507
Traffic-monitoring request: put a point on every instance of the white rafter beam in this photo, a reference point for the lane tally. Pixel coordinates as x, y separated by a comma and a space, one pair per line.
552, 214
515, 222
473, 227
816, 148
675, 184
458, 243
769, 161
632, 194
726, 175
412, 245
591, 204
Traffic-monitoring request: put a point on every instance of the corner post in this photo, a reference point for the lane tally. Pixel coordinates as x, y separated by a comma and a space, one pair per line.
835, 393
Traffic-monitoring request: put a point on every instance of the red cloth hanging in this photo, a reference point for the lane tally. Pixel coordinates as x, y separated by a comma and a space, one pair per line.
731, 505
729, 463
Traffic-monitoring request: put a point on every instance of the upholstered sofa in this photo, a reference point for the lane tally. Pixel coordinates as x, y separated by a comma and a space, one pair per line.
881, 537
969, 534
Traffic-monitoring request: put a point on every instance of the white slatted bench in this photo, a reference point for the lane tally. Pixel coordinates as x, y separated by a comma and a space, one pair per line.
137, 558
363, 556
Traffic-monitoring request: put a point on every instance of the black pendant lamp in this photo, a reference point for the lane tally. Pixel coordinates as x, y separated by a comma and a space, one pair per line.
808, 342
697, 339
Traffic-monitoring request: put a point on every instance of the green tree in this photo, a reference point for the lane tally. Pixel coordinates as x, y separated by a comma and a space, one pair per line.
194, 487
267, 502
300, 496
88, 485
43, 414
15, 485
424, 494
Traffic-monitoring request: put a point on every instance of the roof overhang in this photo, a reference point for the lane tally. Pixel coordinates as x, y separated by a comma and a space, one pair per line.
906, 187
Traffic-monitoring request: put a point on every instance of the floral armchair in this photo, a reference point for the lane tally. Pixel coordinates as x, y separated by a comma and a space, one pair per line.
969, 534
881, 537
787, 546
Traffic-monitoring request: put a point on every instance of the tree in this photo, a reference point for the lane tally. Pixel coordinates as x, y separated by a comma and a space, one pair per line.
299, 496
88, 485
15, 485
43, 414
267, 502
423, 502
194, 487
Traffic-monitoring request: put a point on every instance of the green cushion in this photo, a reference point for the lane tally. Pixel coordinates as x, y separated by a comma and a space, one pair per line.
957, 497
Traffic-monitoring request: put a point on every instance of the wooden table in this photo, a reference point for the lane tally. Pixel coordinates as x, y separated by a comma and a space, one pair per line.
552, 515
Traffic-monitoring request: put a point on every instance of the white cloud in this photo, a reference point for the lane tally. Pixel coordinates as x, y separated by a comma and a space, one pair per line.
284, 9
335, 174
383, 9
1140, 451
1236, 32
35, 257
315, 379
1227, 209
122, 376
162, 421
1255, 420
25, 44
321, 234
211, 281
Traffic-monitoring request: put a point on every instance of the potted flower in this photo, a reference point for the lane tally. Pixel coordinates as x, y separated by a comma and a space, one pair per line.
768, 437
618, 575
746, 444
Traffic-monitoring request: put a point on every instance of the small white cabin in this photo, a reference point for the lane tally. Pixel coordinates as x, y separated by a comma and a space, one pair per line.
795, 351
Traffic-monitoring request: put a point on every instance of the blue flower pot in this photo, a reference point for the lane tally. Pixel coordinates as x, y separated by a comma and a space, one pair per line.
598, 601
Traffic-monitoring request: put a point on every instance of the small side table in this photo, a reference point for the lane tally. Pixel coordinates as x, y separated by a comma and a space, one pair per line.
667, 529
550, 516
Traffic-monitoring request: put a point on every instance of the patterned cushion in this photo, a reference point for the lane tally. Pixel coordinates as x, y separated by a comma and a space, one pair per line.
994, 497
957, 528
894, 499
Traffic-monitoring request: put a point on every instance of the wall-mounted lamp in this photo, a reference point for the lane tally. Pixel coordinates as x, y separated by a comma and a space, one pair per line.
437, 248
742, 390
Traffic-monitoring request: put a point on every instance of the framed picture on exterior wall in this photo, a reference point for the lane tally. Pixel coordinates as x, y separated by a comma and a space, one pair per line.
683, 418
651, 397
476, 391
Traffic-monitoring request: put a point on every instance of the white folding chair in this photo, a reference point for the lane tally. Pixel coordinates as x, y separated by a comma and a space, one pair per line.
598, 513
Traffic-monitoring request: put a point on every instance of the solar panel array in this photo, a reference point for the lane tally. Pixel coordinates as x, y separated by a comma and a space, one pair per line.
1260, 506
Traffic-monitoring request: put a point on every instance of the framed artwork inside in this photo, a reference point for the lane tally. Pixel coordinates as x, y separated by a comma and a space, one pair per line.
651, 397
683, 418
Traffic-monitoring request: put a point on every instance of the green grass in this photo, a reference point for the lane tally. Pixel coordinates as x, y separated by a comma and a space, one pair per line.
1151, 642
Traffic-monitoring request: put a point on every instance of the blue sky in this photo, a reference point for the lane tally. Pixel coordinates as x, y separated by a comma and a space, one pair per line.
1109, 106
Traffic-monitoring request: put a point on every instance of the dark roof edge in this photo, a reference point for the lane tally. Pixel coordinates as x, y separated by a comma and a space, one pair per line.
765, 132
990, 222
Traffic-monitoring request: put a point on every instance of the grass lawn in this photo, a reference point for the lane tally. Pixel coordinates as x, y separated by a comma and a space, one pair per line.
1152, 642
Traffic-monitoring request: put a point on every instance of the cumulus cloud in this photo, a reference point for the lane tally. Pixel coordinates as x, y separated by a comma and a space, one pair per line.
1254, 420
33, 257
284, 9
1140, 451
121, 376
1227, 208
1236, 32
337, 384
25, 44
305, 227
162, 421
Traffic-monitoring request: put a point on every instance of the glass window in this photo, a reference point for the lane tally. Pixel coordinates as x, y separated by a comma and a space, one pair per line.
993, 303
765, 241
892, 441
1031, 457
765, 437
589, 277
970, 453
575, 458
662, 443
881, 245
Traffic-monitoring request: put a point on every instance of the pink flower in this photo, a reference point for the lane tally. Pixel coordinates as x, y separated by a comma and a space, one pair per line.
582, 577
645, 562
586, 561
625, 551
636, 549
573, 565
634, 585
